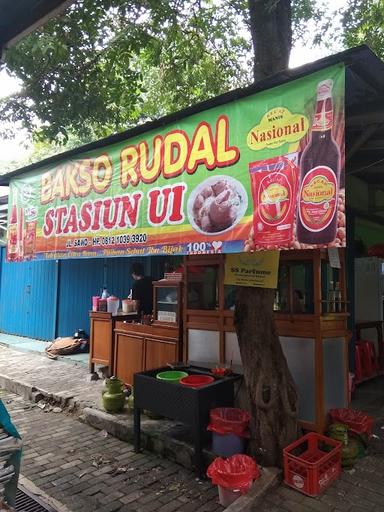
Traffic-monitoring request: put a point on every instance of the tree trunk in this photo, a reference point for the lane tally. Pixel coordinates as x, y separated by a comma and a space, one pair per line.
271, 30
270, 388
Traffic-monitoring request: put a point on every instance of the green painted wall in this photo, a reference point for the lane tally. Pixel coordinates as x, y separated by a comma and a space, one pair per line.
369, 232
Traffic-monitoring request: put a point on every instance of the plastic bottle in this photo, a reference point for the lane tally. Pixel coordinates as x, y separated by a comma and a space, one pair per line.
104, 294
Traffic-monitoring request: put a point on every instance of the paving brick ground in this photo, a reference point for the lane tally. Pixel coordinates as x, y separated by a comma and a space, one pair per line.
361, 490
67, 385
61, 454
59, 378
86, 471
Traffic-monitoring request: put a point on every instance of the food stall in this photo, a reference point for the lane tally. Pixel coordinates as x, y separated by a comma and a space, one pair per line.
225, 186
126, 343
314, 334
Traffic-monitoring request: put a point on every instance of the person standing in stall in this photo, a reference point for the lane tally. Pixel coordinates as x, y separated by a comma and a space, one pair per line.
142, 291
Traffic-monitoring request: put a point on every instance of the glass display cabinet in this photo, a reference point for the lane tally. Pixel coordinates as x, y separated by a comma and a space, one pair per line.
140, 347
167, 302
294, 293
311, 318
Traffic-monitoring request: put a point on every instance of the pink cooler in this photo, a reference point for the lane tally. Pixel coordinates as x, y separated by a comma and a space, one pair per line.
95, 303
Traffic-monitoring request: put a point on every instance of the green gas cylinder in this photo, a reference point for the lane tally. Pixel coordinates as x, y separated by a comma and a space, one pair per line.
350, 447
113, 395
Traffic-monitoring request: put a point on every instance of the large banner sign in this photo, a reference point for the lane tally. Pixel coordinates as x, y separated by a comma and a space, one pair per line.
262, 172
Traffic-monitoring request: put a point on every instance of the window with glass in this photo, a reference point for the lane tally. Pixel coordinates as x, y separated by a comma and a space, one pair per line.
166, 304
332, 299
229, 296
294, 292
202, 287
282, 294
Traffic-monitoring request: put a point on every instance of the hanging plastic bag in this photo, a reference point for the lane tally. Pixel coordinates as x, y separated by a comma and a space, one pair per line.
236, 472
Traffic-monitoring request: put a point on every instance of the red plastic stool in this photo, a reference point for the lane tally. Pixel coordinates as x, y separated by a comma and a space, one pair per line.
368, 358
372, 355
358, 363
367, 362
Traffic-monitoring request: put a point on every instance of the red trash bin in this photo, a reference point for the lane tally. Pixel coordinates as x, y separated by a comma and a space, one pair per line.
229, 427
233, 476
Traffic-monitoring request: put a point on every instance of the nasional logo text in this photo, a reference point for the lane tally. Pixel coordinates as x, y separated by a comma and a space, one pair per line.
277, 127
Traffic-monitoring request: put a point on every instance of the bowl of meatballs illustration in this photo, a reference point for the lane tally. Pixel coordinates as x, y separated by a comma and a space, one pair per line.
216, 205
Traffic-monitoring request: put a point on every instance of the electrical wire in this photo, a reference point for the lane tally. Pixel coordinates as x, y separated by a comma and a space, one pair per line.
366, 167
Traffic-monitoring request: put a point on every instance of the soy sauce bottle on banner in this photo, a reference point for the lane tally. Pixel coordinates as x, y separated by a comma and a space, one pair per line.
12, 246
319, 175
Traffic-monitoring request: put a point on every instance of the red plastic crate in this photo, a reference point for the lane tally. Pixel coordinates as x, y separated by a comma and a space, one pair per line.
312, 463
357, 421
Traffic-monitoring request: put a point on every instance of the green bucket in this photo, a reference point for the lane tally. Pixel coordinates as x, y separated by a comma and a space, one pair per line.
171, 376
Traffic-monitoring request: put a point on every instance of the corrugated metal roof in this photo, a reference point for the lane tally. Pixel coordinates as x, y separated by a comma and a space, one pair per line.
17, 19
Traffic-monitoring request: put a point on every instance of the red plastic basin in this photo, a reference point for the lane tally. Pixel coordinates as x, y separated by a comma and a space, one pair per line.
196, 381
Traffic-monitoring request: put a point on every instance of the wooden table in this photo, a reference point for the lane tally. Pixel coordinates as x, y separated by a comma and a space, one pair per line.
141, 347
102, 325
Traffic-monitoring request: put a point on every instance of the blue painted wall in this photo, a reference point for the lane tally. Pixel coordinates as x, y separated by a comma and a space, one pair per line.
27, 305
46, 299
2, 255
118, 278
78, 281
